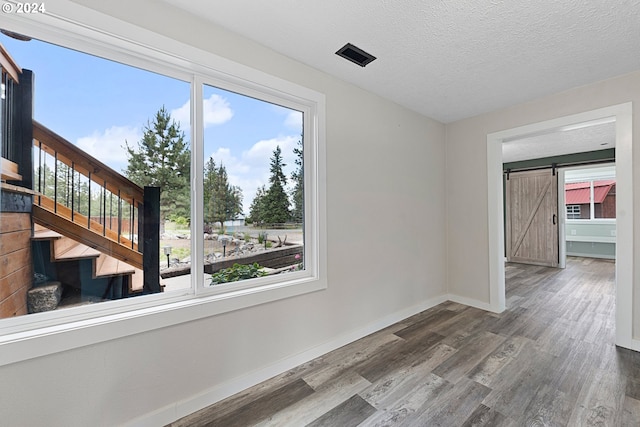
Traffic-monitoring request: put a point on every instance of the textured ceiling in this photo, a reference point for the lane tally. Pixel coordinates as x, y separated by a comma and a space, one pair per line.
446, 59
588, 138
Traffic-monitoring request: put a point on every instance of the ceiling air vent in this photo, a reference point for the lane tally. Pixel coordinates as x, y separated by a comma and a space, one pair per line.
355, 55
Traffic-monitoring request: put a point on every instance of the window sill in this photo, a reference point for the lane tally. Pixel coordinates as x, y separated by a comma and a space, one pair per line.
607, 221
27, 345
591, 239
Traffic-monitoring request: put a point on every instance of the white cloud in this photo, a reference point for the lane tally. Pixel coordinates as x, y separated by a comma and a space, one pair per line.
216, 111
259, 155
182, 116
107, 146
294, 120
250, 170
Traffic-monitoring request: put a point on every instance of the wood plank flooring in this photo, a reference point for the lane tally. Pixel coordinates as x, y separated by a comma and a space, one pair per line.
548, 360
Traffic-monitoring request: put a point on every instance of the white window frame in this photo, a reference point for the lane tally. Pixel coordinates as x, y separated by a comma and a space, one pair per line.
573, 211
73, 26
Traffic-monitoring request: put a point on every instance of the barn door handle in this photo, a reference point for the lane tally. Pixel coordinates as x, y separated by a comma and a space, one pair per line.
554, 219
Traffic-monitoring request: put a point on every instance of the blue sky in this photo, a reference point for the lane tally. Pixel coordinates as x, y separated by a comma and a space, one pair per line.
98, 104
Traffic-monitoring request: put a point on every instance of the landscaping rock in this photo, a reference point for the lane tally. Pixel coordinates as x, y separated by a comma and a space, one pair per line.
44, 298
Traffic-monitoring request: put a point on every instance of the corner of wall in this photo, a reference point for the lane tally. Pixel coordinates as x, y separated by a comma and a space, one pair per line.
447, 285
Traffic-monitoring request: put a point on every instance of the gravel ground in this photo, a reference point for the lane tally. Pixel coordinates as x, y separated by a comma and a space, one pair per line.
292, 235
181, 282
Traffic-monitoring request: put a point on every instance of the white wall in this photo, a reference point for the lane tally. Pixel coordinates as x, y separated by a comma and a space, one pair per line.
592, 239
467, 236
384, 164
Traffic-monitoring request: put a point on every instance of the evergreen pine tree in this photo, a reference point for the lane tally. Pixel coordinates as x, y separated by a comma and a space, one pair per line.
276, 201
256, 210
222, 201
297, 193
210, 179
162, 159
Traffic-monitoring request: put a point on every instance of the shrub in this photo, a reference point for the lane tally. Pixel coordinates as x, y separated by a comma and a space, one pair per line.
179, 220
237, 272
180, 253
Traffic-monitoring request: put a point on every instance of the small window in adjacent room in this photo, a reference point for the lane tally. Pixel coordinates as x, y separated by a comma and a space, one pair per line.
573, 211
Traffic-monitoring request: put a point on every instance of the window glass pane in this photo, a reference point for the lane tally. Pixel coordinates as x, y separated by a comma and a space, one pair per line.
253, 188
104, 131
590, 193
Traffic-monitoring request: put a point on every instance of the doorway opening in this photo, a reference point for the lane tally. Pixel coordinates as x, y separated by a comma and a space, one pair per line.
621, 115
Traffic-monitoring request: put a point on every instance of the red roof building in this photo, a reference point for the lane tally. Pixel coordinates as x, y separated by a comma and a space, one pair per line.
604, 199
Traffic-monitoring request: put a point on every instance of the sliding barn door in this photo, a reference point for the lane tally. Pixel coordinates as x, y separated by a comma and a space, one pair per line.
532, 217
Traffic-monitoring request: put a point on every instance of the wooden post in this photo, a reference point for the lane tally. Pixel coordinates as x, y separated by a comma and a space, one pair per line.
150, 232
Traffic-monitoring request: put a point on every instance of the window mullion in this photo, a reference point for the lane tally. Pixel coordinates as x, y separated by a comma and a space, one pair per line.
591, 202
197, 172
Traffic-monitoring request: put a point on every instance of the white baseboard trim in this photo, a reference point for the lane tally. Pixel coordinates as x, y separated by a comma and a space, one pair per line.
471, 302
631, 344
585, 255
175, 411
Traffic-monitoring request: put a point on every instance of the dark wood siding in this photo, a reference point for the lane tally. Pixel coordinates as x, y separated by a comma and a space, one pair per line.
16, 272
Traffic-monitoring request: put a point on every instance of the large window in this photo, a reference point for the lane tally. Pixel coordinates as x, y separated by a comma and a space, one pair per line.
190, 186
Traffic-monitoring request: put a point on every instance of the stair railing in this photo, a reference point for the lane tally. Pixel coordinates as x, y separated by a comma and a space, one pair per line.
75, 185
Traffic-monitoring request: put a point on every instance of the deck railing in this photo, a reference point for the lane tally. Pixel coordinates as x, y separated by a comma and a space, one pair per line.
95, 203
84, 190
16, 108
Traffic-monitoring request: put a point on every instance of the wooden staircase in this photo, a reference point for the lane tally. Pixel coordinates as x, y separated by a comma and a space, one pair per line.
115, 220
64, 249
